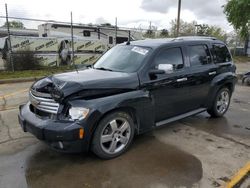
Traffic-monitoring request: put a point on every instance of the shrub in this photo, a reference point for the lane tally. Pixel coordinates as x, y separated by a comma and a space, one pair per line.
22, 60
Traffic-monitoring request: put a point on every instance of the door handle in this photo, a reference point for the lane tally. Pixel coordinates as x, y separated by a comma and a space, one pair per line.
212, 73
181, 79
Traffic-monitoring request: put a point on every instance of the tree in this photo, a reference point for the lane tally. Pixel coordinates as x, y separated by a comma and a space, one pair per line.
15, 24
151, 32
212, 31
164, 33
185, 28
202, 29
192, 28
215, 31
238, 14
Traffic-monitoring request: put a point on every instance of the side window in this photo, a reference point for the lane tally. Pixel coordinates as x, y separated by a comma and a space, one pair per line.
221, 53
170, 56
199, 55
120, 40
86, 33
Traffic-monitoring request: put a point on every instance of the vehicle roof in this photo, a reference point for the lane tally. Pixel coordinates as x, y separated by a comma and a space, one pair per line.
154, 43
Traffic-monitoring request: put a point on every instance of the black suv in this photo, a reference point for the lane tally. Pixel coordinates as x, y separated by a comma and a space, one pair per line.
131, 89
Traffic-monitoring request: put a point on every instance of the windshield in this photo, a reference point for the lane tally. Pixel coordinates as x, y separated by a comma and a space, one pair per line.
125, 58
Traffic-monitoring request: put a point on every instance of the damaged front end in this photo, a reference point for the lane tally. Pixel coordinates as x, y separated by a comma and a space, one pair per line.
51, 96
45, 98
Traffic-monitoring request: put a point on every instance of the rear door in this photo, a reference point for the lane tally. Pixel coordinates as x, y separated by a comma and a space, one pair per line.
201, 73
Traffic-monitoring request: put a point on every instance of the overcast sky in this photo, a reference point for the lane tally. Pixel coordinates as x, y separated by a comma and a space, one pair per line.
130, 13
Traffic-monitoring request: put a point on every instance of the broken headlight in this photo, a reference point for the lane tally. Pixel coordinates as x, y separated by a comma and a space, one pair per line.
78, 113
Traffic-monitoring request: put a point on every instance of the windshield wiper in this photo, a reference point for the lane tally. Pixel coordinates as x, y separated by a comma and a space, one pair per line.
103, 68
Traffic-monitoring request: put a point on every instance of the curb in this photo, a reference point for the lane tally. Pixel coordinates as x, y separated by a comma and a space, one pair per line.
18, 80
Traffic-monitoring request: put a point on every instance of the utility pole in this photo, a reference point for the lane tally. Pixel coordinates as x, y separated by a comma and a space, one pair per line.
115, 29
72, 42
8, 29
178, 18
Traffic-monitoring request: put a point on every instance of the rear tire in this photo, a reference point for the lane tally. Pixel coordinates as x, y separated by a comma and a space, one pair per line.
113, 135
220, 103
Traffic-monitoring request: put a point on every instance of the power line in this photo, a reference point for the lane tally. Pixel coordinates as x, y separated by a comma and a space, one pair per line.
62, 22
37, 20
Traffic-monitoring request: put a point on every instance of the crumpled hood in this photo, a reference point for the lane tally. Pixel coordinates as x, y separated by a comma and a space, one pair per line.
88, 79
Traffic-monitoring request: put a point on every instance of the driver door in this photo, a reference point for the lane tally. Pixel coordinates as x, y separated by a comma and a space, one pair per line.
170, 90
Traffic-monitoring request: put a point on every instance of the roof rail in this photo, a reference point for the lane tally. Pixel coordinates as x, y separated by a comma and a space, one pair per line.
195, 37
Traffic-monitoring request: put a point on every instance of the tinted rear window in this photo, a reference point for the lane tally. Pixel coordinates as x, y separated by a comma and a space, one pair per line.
199, 55
221, 53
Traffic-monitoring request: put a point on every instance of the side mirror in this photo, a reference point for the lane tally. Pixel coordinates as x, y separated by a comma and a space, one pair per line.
154, 72
167, 68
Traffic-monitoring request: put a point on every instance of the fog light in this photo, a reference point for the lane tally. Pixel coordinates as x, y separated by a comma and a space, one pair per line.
81, 133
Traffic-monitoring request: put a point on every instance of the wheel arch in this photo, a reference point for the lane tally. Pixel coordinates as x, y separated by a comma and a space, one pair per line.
229, 85
129, 110
227, 80
138, 104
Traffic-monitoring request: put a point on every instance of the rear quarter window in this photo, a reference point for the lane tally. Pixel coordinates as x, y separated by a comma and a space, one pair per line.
221, 53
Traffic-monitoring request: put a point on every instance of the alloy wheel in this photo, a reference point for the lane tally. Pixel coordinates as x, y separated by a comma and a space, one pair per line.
223, 102
115, 135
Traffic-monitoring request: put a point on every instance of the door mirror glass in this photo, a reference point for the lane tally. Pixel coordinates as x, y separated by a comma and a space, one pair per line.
167, 68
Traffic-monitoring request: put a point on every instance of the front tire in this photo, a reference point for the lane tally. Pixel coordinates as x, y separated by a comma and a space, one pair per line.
221, 103
113, 135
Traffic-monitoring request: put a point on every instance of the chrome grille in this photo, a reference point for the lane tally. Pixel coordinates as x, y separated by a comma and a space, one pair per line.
47, 104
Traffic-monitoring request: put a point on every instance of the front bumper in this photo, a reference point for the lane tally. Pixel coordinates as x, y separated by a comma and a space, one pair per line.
61, 135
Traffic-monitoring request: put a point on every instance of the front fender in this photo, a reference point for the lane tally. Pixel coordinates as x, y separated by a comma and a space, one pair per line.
139, 101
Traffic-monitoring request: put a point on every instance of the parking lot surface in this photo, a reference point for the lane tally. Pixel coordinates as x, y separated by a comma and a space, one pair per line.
195, 152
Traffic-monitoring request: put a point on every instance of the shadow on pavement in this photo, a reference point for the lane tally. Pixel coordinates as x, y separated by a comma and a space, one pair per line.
148, 163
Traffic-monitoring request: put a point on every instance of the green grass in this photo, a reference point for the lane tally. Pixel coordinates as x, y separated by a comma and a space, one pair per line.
33, 73
241, 59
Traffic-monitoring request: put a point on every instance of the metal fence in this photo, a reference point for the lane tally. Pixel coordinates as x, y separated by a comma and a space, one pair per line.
57, 43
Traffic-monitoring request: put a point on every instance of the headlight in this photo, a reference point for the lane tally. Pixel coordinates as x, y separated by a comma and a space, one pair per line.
78, 113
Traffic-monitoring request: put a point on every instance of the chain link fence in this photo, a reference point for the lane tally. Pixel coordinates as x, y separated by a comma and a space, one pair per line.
32, 43
54, 44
